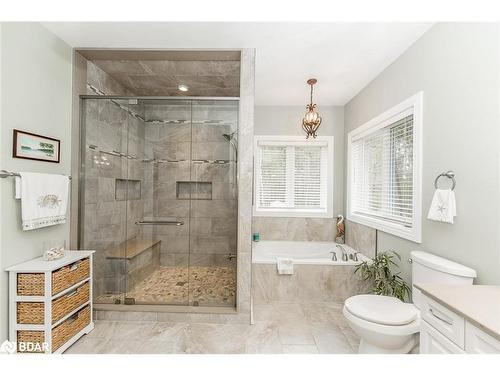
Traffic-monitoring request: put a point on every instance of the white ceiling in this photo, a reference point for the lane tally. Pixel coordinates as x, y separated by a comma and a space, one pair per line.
344, 57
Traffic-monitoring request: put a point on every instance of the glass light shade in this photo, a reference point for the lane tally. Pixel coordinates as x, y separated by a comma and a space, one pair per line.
311, 121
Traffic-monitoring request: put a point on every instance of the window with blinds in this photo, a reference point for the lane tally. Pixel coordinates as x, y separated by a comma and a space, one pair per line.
292, 176
384, 178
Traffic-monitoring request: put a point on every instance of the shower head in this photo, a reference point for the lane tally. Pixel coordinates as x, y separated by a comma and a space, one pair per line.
228, 137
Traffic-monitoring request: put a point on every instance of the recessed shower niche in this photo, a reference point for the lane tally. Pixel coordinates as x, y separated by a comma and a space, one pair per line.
127, 189
194, 190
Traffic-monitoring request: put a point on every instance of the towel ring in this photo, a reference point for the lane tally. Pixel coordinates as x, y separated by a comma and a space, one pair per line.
450, 175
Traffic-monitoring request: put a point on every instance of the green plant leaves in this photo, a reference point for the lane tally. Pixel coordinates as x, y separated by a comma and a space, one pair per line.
386, 283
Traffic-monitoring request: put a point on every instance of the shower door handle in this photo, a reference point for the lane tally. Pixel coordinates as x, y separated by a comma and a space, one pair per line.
159, 222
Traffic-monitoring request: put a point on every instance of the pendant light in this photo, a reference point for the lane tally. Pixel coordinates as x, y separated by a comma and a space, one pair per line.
312, 119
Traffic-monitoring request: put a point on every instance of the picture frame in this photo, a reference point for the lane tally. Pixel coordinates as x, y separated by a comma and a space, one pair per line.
35, 147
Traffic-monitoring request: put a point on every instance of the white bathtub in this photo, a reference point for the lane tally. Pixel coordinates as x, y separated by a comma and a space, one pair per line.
302, 252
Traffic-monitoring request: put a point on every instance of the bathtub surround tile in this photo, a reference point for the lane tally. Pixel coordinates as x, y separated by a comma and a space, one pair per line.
295, 228
311, 283
361, 238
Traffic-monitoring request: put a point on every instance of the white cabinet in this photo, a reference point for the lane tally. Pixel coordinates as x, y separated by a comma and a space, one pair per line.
50, 302
433, 342
479, 342
444, 320
443, 331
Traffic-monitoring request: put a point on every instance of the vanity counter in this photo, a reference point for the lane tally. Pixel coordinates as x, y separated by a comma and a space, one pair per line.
478, 304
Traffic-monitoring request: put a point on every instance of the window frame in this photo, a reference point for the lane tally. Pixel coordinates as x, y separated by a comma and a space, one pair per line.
295, 141
414, 104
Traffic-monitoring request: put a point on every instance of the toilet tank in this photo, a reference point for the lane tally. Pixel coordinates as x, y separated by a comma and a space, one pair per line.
431, 269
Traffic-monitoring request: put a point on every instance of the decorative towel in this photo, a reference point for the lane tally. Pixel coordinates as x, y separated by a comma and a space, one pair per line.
44, 199
284, 266
443, 206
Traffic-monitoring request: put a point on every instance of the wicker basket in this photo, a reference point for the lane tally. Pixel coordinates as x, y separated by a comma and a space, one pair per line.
70, 327
30, 313
32, 284
69, 275
33, 312
34, 337
60, 334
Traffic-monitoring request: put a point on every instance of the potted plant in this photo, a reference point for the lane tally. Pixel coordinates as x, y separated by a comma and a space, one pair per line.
385, 282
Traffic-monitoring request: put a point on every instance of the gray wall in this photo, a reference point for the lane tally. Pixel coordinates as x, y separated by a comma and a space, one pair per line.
36, 97
456, 66
286, 120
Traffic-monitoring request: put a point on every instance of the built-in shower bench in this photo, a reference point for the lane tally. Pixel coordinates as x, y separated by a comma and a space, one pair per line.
130, 263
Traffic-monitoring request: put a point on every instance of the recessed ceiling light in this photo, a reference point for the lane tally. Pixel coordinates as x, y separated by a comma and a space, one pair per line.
183, 88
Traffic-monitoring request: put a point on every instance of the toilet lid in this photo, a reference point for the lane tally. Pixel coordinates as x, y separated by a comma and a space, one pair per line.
381, 309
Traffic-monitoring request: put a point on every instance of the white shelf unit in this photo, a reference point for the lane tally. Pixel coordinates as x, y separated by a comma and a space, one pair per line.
38, 265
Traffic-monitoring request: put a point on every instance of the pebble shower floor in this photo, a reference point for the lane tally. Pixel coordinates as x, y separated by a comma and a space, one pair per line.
201, 286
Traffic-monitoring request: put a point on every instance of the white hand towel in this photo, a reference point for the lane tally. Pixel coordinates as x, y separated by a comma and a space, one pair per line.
44, 199
284, 266
443, 207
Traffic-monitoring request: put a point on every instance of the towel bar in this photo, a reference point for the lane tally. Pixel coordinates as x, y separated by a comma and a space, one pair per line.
450, 175
5, 174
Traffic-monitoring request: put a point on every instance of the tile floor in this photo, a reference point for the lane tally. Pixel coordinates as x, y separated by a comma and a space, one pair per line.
279, 328
198, 286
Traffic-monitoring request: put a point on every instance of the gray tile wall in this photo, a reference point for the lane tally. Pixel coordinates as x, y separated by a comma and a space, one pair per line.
209, 232
110, 221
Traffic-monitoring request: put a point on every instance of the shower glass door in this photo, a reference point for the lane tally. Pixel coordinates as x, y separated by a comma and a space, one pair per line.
213, 200
159, 200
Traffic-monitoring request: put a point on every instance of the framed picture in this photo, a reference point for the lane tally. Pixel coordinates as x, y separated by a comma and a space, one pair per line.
36, 147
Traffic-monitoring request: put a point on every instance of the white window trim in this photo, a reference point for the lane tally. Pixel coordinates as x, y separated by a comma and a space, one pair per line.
415, 103
296, 140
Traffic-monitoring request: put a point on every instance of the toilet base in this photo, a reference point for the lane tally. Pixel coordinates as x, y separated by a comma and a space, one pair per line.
366, 347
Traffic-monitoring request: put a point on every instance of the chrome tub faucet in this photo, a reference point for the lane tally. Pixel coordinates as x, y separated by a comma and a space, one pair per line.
345, 257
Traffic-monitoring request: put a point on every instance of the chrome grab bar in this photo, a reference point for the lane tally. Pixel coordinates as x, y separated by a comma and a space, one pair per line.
159, 222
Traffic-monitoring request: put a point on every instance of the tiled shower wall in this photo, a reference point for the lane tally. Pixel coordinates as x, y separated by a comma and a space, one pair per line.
209, 233
109, 219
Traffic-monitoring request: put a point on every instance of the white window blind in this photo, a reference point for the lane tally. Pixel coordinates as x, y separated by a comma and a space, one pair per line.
384, 171
292, 177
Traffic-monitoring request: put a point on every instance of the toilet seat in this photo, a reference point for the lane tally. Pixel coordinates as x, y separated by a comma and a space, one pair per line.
392, 330
383, 310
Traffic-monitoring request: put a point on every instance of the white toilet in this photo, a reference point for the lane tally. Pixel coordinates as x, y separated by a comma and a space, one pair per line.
387, 325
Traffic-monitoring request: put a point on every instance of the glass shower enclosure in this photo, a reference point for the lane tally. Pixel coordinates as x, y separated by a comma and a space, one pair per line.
158, 192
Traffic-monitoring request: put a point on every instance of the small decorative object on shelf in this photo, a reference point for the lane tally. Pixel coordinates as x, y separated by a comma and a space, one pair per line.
54, 253
50, 303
